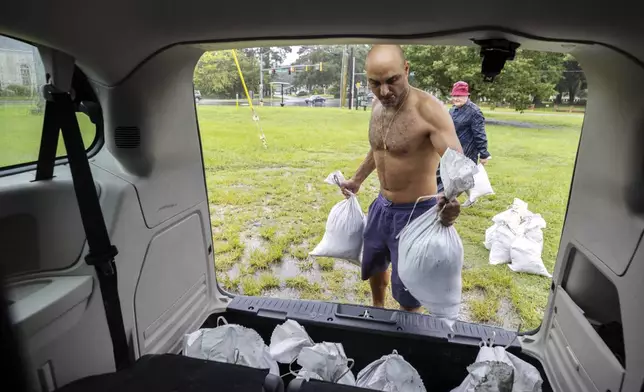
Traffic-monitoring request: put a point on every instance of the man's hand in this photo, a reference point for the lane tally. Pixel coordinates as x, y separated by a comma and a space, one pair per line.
450, 212
349, 186
483, 161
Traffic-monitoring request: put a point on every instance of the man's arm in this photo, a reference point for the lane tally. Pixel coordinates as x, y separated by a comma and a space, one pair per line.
352, 186
367, 166
441, 127
480, 138
443, 136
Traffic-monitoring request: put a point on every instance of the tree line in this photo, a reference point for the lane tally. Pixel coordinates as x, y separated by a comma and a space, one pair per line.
531, 78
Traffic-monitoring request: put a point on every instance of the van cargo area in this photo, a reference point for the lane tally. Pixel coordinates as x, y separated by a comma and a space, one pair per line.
440, 357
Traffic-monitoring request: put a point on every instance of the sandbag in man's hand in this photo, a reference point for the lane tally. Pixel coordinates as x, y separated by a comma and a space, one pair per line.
449, 210
349, 187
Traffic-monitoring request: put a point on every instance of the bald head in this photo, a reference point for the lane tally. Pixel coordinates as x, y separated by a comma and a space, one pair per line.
387, 72
385, 53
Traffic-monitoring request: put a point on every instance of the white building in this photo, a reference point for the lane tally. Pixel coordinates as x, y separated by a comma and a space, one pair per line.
20, 65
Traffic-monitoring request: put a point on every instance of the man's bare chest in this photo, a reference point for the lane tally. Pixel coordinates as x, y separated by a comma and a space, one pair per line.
401, 133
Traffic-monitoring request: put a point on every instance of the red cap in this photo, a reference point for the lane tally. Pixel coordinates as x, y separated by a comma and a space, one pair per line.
460, 89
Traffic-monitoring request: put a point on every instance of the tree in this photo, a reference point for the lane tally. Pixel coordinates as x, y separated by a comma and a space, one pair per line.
531, 75
216, 73
331, 58
573, 80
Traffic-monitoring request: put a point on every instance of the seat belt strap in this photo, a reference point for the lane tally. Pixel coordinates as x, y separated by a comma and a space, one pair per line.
61, 114
48, 144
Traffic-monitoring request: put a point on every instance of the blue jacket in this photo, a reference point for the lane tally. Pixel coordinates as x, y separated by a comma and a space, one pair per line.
470, 129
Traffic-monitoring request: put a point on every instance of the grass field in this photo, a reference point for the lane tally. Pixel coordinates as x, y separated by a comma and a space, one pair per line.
21, 129
269, 206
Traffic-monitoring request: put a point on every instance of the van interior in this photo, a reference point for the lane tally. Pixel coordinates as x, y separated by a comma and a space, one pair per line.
130, 66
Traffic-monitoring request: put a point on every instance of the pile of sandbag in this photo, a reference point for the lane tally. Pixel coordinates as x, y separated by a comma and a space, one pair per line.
494, 370
344, 228
516, 238
290, 343
327, 362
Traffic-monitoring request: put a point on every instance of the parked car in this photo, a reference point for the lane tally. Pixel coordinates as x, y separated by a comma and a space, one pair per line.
314, 100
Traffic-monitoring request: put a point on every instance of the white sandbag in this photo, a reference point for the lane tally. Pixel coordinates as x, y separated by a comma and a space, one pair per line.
526, 377
230, 343
526, 248
482, 186
506, 227
390, 373
343, 235
288, 340
496, 370
490, 235
501, 244
430, 255
327, 362
514, 215
533, 224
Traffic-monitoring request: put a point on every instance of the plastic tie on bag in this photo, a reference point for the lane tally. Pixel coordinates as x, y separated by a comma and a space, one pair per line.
329, 375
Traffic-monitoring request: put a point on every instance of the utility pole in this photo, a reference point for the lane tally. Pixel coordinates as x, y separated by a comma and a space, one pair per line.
261, 76
353, 80
343, 78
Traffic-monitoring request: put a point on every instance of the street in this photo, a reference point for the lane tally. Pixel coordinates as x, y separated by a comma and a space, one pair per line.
288, 101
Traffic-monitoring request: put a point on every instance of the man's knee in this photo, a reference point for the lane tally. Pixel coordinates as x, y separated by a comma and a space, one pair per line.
379, 280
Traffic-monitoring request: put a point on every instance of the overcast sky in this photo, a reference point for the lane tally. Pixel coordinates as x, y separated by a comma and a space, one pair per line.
291, 57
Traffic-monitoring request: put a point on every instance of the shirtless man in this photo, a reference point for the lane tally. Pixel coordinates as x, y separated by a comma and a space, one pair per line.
409, 131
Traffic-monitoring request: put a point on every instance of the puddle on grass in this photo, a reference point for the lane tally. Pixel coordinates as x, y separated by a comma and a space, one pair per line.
234, 272
467, 297
282, 293
508, 314
289, 267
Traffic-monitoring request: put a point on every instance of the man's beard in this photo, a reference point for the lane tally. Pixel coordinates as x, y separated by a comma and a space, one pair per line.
395, 99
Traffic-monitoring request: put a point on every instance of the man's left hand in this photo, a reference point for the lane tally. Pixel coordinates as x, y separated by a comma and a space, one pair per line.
483, 161
450, 211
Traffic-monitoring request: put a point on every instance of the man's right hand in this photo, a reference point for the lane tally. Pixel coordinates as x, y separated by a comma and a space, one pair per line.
349, 187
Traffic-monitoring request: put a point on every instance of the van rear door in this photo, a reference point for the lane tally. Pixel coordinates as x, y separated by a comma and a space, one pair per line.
590, 338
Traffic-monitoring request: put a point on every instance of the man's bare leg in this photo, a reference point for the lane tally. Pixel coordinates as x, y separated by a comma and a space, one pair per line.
379, 283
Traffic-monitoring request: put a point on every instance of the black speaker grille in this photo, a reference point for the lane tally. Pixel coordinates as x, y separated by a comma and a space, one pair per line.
127, 137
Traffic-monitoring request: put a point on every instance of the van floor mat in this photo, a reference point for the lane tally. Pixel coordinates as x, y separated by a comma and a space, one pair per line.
372, 319
176, 373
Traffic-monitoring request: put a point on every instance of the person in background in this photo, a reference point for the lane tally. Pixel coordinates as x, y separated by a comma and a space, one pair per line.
469, 123
470, 126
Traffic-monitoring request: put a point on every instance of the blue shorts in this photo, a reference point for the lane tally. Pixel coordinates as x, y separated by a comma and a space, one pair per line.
384, 221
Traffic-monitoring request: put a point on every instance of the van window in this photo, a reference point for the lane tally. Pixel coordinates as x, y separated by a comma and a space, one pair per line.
269, 205
22, 107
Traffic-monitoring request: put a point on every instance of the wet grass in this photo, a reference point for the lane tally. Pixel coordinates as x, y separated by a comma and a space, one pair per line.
21, 128
269, 206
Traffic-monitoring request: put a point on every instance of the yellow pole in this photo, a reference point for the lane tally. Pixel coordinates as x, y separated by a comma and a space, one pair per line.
241, 76
262, 137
